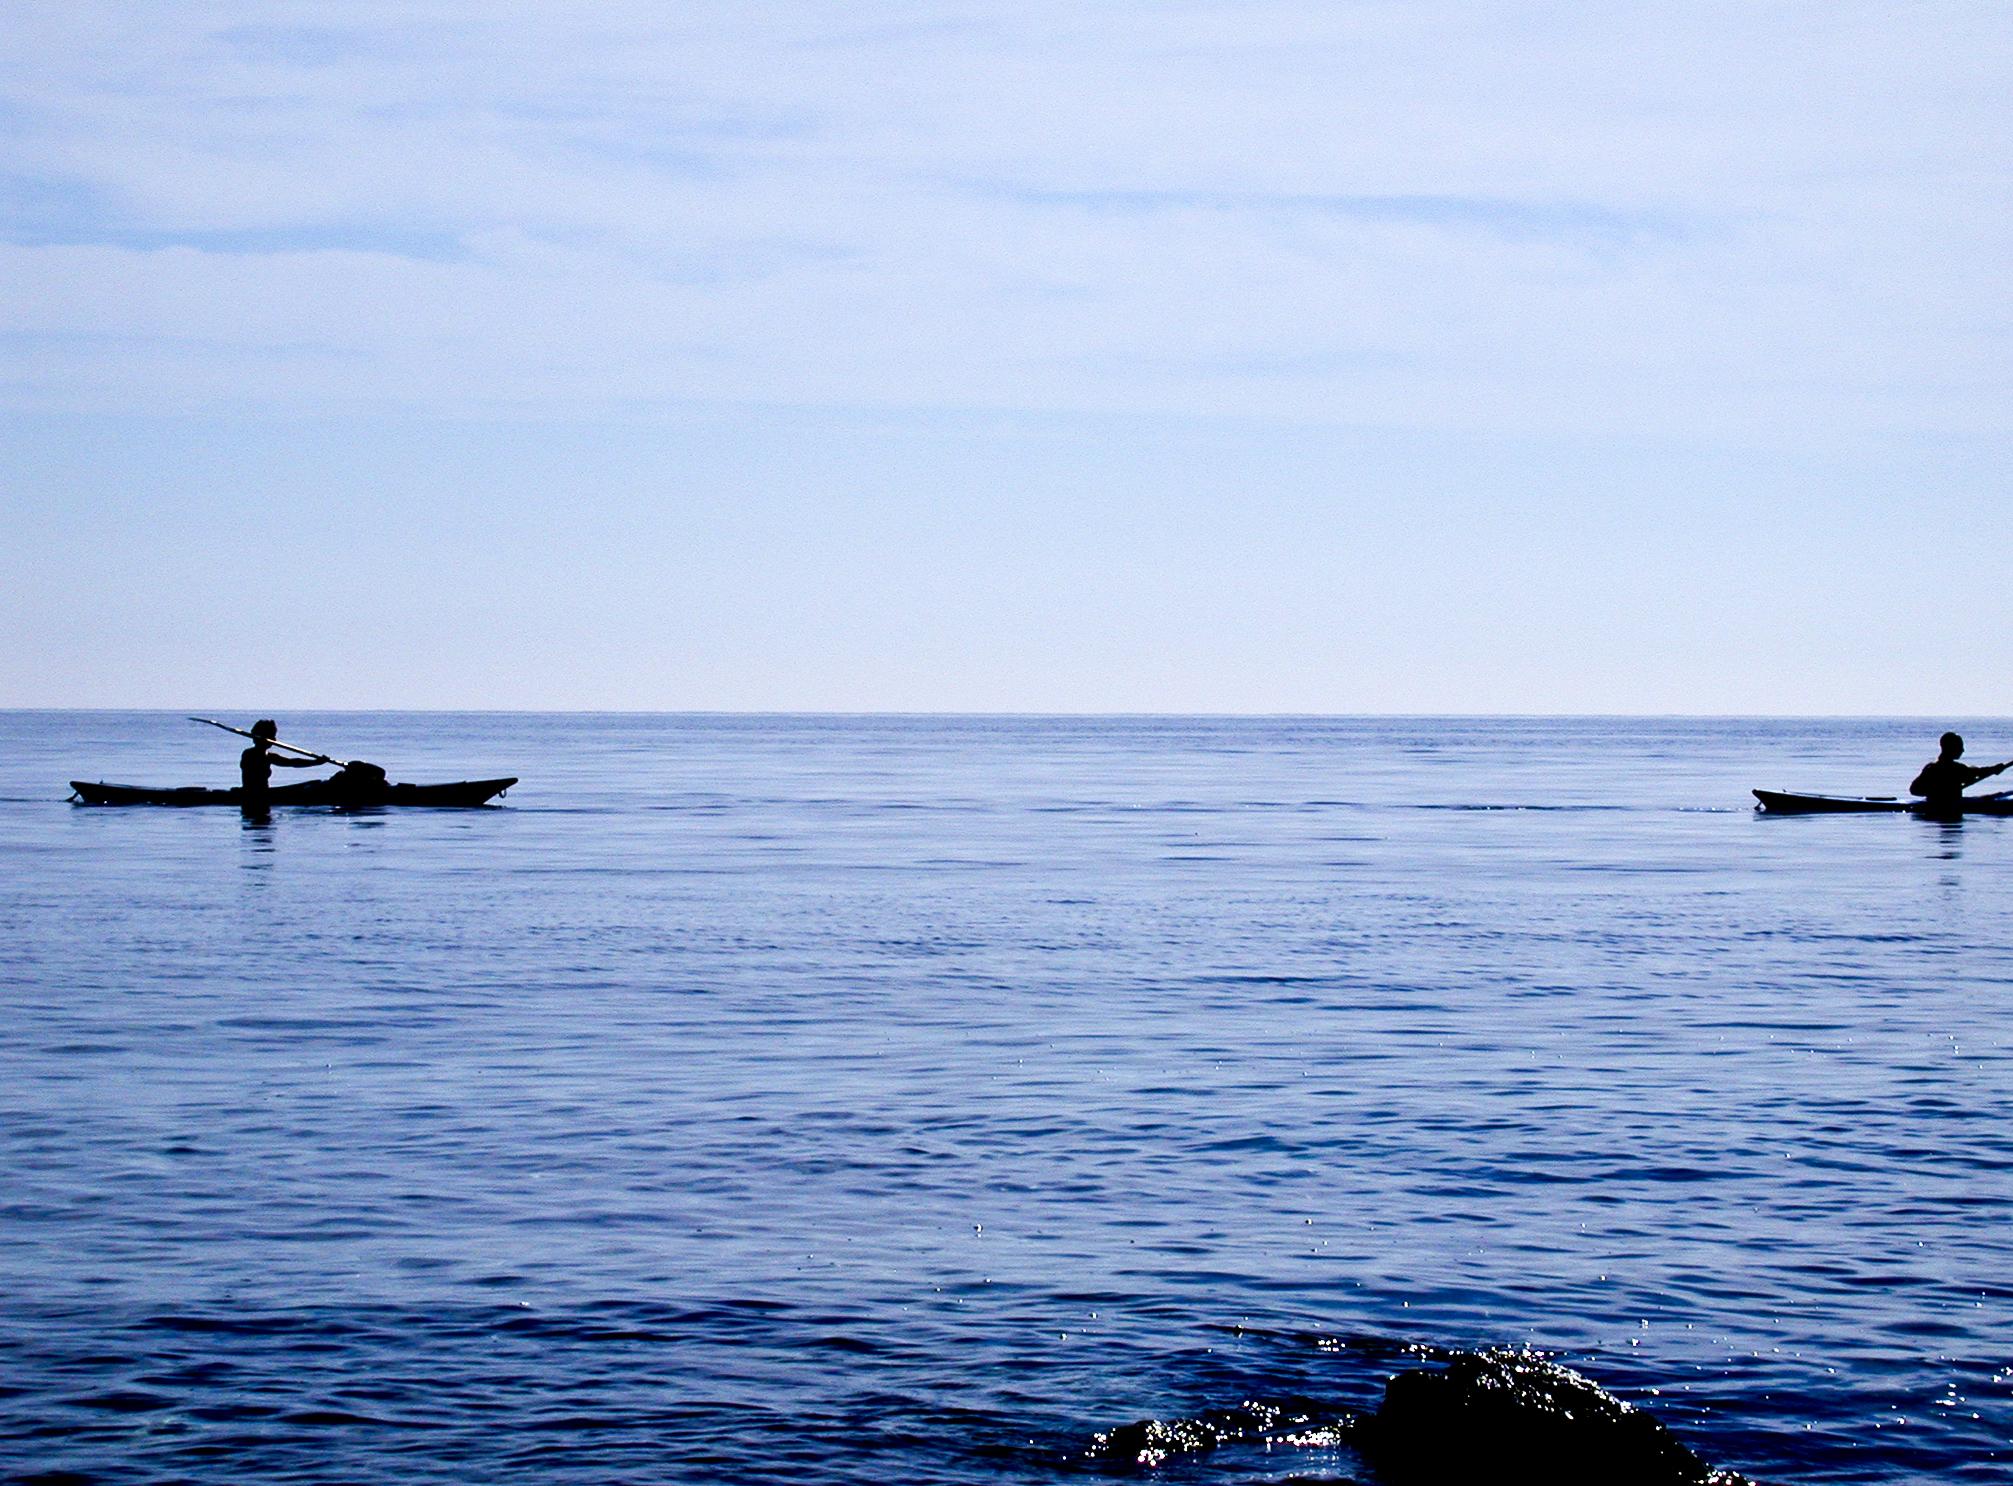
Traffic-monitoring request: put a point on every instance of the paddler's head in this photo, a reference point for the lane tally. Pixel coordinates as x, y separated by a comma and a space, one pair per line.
265, 730
1953, 746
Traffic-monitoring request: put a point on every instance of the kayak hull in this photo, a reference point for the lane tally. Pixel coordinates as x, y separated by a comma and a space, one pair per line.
462, 792
1784, 802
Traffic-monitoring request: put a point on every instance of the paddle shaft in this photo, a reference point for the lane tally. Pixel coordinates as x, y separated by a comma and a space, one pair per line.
320, 758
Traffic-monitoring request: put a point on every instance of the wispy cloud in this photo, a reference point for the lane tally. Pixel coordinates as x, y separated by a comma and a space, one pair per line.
1560, 220
1516, 216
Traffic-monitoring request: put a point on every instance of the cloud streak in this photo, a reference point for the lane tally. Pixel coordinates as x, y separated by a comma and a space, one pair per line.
1740, 218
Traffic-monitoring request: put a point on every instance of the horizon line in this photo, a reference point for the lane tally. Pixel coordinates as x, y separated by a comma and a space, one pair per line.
980, 714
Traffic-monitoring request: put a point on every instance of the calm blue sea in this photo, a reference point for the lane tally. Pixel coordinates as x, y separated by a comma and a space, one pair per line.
893, 1099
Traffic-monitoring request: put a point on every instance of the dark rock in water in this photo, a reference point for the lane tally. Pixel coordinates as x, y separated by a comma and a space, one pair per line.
1148, 1443
1504, 1418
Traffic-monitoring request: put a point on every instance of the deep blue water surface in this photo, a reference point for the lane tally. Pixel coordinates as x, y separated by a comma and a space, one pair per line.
910, 1099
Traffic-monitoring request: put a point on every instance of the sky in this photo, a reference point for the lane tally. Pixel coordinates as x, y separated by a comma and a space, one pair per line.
1328, 356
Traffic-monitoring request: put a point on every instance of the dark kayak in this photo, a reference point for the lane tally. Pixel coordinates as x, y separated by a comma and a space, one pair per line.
313, 792
1780, 802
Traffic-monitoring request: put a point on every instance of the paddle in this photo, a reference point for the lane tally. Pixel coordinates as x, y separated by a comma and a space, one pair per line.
320, 758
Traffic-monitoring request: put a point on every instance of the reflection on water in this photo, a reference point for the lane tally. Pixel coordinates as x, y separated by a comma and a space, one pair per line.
257, 838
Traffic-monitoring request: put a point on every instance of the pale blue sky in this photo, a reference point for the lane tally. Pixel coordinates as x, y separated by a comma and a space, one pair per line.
1112, 355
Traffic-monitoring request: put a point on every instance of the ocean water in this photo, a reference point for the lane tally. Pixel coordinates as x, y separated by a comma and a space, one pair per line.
895, 1099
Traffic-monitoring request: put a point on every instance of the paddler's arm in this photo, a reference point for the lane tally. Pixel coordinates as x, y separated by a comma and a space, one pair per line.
286, 761
1971, 774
